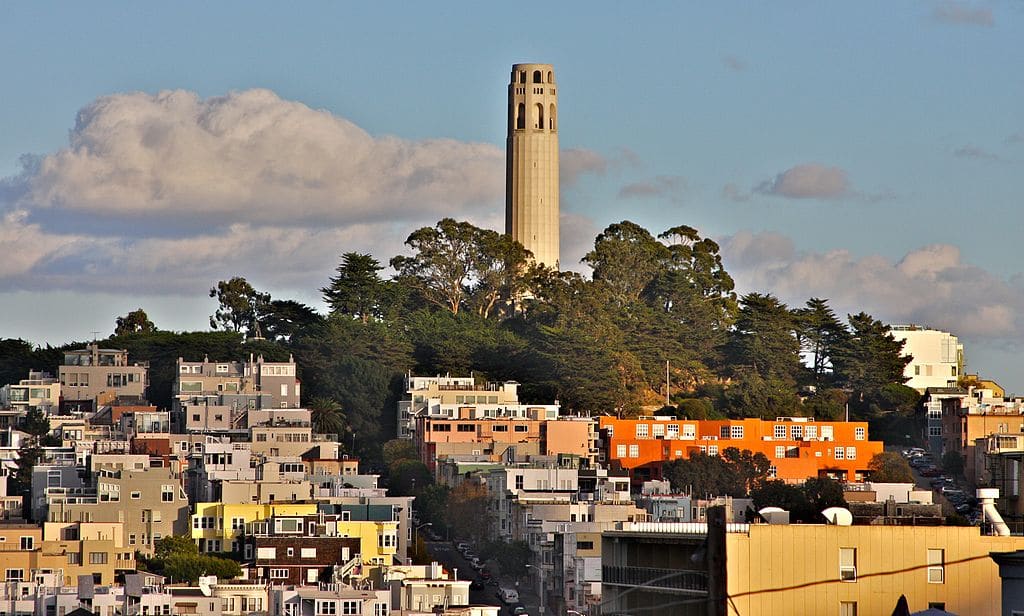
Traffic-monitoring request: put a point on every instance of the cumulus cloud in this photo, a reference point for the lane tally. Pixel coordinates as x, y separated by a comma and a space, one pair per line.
169, 192
661, 186
972, 151
807, 181
575, 162
930, 285
251, 155
962, 14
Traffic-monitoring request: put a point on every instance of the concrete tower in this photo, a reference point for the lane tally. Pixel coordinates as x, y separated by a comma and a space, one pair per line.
531, 161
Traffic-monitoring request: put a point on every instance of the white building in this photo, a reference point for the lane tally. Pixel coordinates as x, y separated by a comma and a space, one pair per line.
937, 356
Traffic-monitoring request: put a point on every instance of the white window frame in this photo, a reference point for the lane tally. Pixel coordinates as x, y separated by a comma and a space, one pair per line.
620, 451
848, 569
634, 451
642, 430
860, 433
736, 432
779, 432
936, 566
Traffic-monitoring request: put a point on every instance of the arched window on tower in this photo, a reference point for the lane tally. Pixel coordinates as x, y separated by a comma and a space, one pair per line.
551, 117
551, 77
538, 120
537, 78
521, 116
522, 76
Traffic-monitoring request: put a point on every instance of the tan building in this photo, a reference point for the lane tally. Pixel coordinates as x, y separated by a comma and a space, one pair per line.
497, 438
531, 161
437, 395
96, 550
150, 503
98, 376
801, 569
40, 390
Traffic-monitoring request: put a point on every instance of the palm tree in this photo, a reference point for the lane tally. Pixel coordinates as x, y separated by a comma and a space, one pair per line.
327, 416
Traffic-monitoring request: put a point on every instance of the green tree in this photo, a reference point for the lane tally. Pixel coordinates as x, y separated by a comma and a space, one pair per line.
467, 511
35, 423
827, 404
408, 478
764, 341
503, 273
732, 474
327, 416
285, 318
240, 306
890, 467
357, 290
820, 331
868, 360
397, 450
442, 267
179, 559
626, 258
135, 322
751, 395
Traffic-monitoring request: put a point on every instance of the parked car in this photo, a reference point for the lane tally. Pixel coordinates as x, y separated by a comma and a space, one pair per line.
462, 546
519, 610
508, 595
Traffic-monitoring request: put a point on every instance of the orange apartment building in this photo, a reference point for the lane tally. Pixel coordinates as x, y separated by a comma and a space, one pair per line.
797, 447
495, 438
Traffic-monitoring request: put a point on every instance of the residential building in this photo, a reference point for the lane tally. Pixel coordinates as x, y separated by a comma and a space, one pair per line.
423, 588
39, 391
231, 389
937, 357
300, 550
327, 599
537, 431
797, 447
427, 394
974, 417
92, 377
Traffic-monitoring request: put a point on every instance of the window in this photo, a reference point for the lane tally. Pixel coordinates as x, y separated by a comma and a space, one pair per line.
641, 430
499, 428
658, 430
326, 608
736, 432
584, 545
672, 430
811, 432
167, 494
713, 450
466, 428
136, 495
307, 552
936, 566
380, 609
634, 451
351, 607
278, 574
780, 451
839, 453
847, 608
851, 453
934, 430
74, 558
522, 428
519, 482
848, 564
290, 552
859, 434
288, 525
97, 558
620, 451
387, 540
131, 539
689, 431
27, 543
797, 432
222, 368
826, 433
780, 432
723, 432
773, 471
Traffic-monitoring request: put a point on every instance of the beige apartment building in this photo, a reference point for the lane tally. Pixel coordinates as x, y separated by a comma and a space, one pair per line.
436, 395
98, 376
75, 549
149, 503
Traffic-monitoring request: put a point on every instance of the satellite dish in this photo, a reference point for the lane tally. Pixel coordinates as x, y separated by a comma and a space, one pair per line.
766, 510
838, 516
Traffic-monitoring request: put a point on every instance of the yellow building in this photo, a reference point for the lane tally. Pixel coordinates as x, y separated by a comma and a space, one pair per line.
803, 569
216, 527
75, 549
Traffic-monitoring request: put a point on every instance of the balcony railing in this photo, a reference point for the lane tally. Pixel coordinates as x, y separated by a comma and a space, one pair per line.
650, 577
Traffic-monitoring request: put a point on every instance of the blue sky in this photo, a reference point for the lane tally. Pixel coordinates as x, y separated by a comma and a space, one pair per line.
869, 152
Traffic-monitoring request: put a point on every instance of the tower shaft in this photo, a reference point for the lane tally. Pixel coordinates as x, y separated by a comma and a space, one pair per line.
531, 161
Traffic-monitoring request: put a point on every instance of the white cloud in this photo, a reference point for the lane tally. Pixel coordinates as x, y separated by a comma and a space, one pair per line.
169, 193
661, 186
930, 285
807, 181
251, 156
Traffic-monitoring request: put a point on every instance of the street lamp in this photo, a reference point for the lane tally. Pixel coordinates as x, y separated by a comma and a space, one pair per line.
416, 536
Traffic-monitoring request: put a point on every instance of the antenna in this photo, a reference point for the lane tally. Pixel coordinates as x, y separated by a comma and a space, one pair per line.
94, 334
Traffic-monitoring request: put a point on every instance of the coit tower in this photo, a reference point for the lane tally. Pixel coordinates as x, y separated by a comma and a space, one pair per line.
531, 161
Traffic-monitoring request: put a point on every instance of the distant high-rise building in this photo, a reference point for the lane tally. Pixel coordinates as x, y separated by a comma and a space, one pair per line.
531, 161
